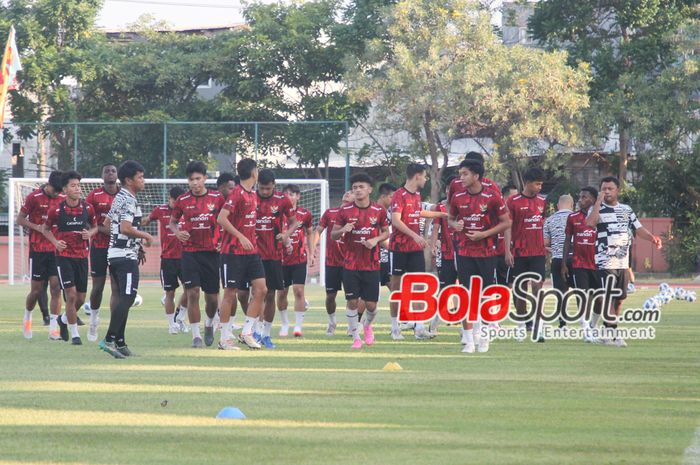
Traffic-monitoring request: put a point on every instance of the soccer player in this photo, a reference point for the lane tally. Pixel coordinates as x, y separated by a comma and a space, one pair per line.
241, 261
69, 228
527, 210
124, 255
294, 263
364, 225
554, 231
614, 223
225, 183
580, 242
276, 221
334, 260
170, 258
504, 274
198, 209
101, 200
406, 242
477, 215
456, 186
444, 252
42, 256
386, 194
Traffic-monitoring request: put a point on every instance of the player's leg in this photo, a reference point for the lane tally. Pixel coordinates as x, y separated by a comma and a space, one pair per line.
43, 302
369, 292
487, 271
415, 263
274, 281
536, 265
81, 285
298, 288
124, 278
397, 263
351, 284
561, 284
334, 279
98, 271
35, 290
191, 276
283, 301
253, 272
169, 283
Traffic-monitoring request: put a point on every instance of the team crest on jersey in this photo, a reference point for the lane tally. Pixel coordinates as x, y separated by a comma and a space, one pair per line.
483, 207
373, 220
274, 209
540, 209
211, 206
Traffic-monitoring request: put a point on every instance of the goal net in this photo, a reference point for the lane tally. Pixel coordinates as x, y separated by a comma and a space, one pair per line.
314, 197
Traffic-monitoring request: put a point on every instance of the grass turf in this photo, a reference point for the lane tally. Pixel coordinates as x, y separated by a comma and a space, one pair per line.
313, 401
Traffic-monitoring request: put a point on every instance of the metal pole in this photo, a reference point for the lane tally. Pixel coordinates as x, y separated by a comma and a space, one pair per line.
347, 156
11, 234
256, 142
75, 147
165, 150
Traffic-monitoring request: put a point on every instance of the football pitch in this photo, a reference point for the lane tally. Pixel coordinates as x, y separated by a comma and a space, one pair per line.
313, 401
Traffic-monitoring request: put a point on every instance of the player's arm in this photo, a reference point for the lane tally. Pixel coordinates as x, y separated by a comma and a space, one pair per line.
401, 227
508, 237
547, 236
126, 226
383, 235
567, 248
47, 231
174, 225
292, 225
648, 236
594, 216
149, 219
431, 214
311, 240
23, 217
339, 230
503, 225
434, 235
225, 222
92, 223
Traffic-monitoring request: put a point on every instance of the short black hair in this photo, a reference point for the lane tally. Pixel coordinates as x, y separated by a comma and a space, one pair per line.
196, 166
293, 188
591, 190
176, 192
610, 179
56, 180
413, 169
129, 169
449, 179
507, 188
473, 166
68, 175
266, 176
360, 177
385, 188
245, 168
108, 164
237, 179
474, 156
533, 175
224, 178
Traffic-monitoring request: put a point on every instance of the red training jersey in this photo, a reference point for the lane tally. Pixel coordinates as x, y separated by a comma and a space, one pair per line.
479, 212
584, 238
456, 187
170, 245
528, 215
446, 235
298, 255
409, 205
199, 213
334, 253
271, 215
36, 207
243, 213
67, 223
101, 202
368, 223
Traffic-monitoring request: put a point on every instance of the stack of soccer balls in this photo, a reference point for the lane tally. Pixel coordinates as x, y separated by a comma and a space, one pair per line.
667, 294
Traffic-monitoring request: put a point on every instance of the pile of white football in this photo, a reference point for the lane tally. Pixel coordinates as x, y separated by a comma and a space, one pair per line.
667, 294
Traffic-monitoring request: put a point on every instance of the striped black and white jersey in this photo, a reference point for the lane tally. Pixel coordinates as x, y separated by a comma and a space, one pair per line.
125, 207
615, 228
554, 229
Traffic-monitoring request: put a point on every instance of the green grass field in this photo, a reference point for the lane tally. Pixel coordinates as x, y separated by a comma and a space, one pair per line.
312, 401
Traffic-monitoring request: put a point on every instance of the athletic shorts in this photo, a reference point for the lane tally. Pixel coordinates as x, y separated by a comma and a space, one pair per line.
585, 278
384, 273
447, 273
361, 284
476, 266
334, 279
199, 270
42, 265
170, 273
98, 262
535, 264
294, 274
72, 272
621, 280
407, 262
274, 278
504, 273
239, 270
125, 273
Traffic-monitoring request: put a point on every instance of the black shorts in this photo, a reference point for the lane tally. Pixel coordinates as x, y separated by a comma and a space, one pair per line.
98, 262
73, 272
447, 273
334, 279
361, 284
170, 273
504, 273
407, 262
199, 270
42, 265
294, 274
125, 273
534, 264
585, 278
274, 278
384, 273
242, 287
476, 266
621, 280
238, 271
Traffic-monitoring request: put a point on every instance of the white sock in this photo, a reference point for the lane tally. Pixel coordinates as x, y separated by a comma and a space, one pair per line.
27, 315
267, 328
208, 322
225, 333
53, 324
284, 317
74, 330
420, 327
182, 314
584, 323
434, 324
259, 326
94, 316
64, 320
369, 317
248, 325
594, 320
195, 330
331, 318
395, 324
171, 319
298, 319
477, 330
469, 336
352, 323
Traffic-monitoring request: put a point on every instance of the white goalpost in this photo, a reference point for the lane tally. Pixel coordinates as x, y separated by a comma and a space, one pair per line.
314, 197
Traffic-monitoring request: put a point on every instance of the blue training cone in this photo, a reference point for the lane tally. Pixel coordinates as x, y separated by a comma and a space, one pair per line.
230, 413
